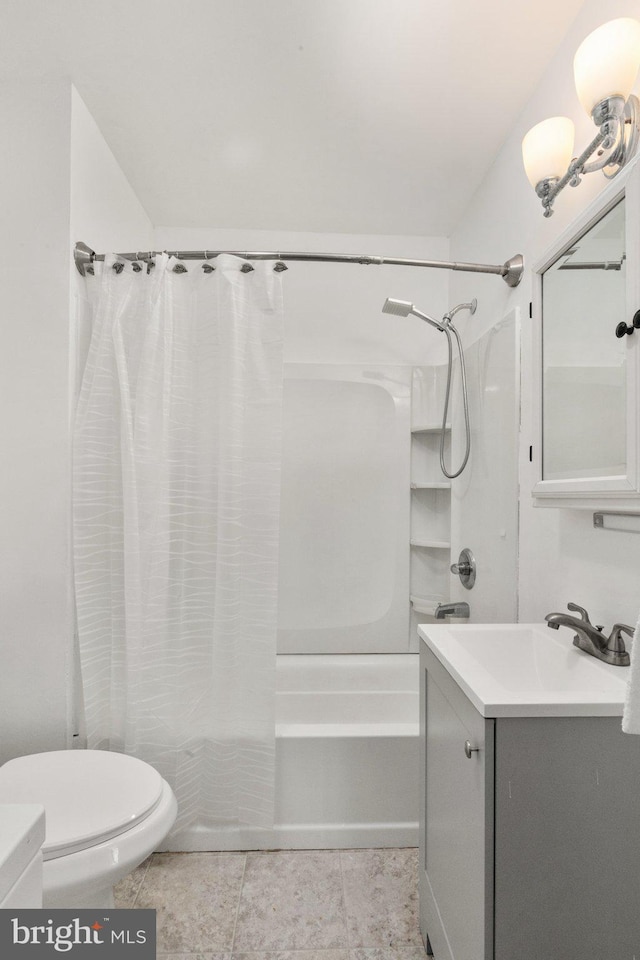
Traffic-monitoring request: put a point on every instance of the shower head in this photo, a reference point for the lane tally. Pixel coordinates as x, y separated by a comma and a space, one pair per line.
402, 308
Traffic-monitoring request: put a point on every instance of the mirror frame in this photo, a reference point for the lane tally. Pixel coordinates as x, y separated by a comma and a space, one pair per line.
620, 492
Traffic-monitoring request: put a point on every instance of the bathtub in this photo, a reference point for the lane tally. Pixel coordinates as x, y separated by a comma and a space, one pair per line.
347, 751
347, 762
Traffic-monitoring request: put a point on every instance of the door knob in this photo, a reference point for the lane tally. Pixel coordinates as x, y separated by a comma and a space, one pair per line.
469, 750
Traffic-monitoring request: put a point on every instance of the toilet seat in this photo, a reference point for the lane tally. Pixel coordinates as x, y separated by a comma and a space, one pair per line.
89, 796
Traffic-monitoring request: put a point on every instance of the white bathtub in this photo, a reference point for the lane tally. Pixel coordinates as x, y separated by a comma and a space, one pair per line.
347, 751
347, 761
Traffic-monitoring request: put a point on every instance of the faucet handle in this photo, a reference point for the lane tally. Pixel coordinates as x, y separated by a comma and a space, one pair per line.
616, 642
581, 610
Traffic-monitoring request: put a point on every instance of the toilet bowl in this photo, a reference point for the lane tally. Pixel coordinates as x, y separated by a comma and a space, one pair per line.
105, 813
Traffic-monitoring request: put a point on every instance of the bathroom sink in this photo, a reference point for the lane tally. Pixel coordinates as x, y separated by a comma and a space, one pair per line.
526, 670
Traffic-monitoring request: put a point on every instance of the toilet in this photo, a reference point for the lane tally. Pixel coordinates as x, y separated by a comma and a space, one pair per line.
105, 813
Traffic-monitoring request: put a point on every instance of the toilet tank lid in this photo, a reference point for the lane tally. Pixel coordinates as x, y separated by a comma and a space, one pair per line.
88, 795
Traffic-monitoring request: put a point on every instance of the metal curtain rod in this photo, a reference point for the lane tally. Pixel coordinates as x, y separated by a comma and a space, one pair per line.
511, 271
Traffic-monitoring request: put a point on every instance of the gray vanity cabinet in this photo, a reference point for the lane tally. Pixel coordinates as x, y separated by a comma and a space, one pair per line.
529, 847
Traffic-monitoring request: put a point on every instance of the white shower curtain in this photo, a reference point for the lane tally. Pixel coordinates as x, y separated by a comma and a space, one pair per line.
177, 440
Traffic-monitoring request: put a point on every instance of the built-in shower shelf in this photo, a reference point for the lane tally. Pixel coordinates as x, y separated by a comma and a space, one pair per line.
431, 544
429, 428
431, 486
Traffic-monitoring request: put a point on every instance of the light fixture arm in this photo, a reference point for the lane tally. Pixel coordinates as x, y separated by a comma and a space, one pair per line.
615, 144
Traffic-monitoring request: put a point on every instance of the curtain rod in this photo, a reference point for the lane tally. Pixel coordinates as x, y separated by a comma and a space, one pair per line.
511, 271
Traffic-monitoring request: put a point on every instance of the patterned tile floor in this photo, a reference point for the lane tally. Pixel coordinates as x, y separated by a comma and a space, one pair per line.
281, 905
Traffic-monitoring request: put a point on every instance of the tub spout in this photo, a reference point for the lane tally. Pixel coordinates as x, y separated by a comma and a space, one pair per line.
452, 610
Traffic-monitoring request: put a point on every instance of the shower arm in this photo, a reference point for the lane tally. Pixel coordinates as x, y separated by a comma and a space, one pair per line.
511, 271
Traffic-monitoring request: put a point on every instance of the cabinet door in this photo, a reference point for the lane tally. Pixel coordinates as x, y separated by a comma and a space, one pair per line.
587, 371
458, 876
567, 810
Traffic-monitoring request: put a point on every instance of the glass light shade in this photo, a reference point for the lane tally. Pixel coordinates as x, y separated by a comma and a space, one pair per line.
547, 149
607, 61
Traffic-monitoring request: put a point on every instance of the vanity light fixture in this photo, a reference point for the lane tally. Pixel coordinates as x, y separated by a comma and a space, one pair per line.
605, 68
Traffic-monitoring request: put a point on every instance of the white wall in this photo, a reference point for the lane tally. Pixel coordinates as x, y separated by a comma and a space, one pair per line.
59, 183
105, 212
562, 557
35, 617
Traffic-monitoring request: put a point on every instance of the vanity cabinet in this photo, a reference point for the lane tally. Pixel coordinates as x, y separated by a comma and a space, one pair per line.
529, 833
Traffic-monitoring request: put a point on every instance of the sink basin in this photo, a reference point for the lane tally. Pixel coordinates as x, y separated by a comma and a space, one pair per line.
526, 670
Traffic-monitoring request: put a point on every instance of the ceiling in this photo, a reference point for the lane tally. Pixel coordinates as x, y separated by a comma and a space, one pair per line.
338, 116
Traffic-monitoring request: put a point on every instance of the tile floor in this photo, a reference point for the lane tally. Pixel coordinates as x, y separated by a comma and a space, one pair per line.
281, 905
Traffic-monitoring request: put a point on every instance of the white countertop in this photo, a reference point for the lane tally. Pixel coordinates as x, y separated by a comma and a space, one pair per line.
526, 670
22, 831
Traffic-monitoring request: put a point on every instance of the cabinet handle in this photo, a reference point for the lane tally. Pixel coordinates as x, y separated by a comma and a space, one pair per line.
623, 328
469, 750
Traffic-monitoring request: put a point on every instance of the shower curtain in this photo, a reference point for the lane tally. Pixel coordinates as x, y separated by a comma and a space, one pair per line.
176, 485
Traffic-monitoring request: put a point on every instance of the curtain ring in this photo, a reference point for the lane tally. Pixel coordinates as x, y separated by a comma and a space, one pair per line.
206, 266
280, 266
246, 268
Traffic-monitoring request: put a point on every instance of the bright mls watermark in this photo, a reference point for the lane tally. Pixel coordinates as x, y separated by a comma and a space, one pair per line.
78, 934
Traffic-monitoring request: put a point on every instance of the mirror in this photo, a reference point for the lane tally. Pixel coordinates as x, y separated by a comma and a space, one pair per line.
584, 376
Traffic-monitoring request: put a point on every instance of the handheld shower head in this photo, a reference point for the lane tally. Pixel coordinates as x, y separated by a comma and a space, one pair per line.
402, 308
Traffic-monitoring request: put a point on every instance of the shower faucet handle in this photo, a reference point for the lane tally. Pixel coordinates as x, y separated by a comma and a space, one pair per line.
465, 568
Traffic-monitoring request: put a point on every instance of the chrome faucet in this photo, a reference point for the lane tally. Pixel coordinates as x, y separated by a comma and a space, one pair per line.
590, 638
452, 610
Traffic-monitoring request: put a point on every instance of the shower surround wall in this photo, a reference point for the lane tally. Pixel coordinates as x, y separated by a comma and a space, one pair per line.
484, 499
344, 519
